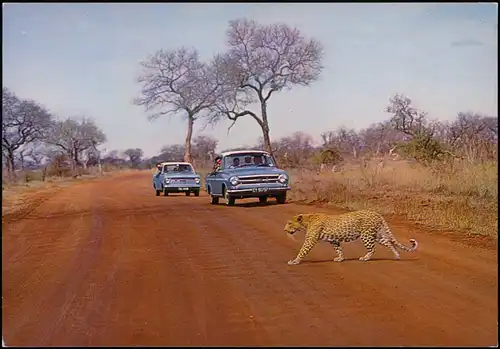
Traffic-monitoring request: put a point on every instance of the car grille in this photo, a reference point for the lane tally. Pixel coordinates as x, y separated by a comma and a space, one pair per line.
259, 179
182, 180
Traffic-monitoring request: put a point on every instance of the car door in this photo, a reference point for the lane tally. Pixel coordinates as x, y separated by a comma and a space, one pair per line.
218, 179
157, 179
212, 181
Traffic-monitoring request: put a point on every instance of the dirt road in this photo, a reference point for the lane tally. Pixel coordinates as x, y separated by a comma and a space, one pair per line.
109, 263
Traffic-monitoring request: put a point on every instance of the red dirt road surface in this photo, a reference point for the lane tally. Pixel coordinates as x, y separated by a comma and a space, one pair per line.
109, 263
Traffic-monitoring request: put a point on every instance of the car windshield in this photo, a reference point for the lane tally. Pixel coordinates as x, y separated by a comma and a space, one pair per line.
247, 159
178, 168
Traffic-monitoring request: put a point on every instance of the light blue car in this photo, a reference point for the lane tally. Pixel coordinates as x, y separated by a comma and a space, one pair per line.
247, 174
176, 177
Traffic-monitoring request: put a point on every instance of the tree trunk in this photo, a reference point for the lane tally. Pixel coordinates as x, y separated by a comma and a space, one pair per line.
76, 158
11, 169
21, 159
265, 128
99, 166
187, 154
73, 163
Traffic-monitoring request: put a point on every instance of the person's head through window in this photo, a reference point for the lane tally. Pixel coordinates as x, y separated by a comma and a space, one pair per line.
248, 160
217, 164
257, 160
236, 162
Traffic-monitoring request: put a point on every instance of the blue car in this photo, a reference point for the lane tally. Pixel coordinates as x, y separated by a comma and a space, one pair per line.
176, 177
246, 174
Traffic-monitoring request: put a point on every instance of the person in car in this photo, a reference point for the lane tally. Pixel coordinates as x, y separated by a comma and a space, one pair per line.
217, 164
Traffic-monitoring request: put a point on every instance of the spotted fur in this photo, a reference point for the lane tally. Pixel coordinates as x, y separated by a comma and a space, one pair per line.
367, 225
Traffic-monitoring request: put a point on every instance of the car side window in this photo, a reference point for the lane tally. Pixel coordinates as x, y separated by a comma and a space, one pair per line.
217, 167
221, 167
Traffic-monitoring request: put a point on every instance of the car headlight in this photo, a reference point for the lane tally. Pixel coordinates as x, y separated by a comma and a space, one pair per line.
234, 180
282, 178
197, 180
167, 181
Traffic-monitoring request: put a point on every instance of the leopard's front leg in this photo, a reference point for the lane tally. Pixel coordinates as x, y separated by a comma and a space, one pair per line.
304, 250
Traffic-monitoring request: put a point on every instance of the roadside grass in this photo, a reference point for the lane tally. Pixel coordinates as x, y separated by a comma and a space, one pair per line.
461, 197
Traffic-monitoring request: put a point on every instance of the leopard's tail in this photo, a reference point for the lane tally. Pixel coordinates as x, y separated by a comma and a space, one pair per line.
413, 242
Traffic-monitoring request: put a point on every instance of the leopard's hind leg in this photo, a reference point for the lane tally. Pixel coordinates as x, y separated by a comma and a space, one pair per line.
386, 241
338, 249
308, 244
369, 243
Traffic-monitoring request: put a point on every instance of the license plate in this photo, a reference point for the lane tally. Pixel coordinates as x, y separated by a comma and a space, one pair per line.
182, 181
186, 189
260, 190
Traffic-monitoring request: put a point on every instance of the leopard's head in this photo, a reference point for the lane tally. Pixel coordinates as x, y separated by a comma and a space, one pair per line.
301, 221
297, 223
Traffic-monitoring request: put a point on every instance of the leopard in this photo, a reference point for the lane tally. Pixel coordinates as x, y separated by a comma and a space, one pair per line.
367, 225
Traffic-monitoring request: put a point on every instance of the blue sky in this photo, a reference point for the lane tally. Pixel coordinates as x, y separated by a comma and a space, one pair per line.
83, 59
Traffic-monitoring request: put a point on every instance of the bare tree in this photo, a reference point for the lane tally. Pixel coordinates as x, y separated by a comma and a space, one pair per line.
473, 135
294, 150
379, 138
23, 122
173, 152
346, 141
263, 59
204, 147
177, 83
406, 118
422, 144
113, 158
37, 152
73, 137
134, 156
21, 158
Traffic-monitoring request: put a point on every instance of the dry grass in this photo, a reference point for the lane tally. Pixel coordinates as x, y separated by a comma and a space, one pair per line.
460, 197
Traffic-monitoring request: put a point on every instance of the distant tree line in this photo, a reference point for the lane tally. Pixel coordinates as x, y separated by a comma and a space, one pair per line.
407, 134
33, 138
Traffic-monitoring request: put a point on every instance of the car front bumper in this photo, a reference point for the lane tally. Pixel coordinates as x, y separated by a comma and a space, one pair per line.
258, 191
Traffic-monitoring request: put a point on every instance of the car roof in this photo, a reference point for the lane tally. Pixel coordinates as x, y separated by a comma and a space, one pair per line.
226, 153
175, 163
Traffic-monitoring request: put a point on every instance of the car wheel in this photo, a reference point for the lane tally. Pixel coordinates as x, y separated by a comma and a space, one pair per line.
228, 198
197, 193
165, 192
281, 199
263, 199
187, 193
158, 192
215, 200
